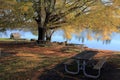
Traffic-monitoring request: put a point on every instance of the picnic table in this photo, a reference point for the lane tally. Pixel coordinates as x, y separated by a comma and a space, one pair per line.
82, 60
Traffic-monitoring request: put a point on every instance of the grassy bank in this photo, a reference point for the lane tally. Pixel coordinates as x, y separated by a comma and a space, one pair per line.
5, 39
22, 62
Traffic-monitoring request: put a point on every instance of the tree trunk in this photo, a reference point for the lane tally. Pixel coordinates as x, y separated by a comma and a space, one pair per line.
41, 34
48, 38
49, 34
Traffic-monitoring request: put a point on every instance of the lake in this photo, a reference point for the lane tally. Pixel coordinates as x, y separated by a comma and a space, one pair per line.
113, 45
58, 36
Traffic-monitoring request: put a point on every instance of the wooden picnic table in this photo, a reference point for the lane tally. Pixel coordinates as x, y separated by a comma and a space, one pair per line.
81, 59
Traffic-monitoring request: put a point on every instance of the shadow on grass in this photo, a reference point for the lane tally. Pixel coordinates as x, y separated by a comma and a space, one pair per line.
110, 71
58, 72
4, 53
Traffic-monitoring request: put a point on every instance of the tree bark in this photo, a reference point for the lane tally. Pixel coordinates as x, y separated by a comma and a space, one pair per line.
49, 34
48, 38
42, 19
41, 33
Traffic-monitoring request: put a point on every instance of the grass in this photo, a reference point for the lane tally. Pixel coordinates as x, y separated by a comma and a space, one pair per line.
115, 59
22, 66
5, 39
17, 65
25, 63
8, 39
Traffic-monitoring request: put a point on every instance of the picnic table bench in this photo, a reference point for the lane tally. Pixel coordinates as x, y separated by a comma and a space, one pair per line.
82, 60
98, 66
69, 62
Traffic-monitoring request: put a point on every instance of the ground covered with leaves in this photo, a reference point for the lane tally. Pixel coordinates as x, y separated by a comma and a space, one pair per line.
29, 61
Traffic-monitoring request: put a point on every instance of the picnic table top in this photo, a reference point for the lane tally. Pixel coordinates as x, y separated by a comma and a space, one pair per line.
85, 55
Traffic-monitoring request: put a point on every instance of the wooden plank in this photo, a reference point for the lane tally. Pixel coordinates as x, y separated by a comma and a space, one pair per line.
86, 55
68, 62
89, 55
100, 63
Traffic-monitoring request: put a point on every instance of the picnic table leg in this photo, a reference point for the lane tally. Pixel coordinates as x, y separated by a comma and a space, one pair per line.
73, 72
88, 75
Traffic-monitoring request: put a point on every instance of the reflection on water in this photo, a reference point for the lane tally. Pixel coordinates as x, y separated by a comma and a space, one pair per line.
113, 44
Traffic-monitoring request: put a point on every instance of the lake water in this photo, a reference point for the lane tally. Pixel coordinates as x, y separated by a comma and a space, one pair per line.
58, 36
113, 45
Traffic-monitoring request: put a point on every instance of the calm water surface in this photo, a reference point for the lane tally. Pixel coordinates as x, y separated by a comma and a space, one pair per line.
113, 45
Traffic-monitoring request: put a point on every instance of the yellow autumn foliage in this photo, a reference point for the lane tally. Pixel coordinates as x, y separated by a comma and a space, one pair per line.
25, 8
7, 4
89, 37
68, 31
11, 2
70, 16
75, 16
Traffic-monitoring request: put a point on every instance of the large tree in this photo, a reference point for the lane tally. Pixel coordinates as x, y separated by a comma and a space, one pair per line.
69, 15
